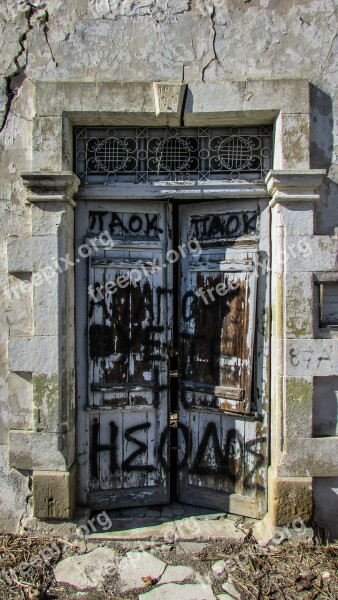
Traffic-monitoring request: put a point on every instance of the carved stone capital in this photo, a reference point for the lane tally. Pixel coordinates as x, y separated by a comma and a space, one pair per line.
44, 186
294, 186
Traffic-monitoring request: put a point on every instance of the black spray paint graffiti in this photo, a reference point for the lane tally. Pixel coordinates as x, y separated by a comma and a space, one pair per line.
128, 331
229, 225
236, 460
144, 224
127, 464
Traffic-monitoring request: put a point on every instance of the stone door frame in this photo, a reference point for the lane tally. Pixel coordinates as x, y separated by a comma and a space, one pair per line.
48, 449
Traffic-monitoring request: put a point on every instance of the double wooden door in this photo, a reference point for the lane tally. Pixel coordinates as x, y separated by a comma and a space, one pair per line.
169, 339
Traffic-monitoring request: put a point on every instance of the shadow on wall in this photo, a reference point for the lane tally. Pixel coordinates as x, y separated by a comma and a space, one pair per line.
321, 149
325, 492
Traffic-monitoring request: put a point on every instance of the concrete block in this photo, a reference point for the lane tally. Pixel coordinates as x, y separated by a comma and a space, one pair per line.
47, 143
306, 357
298, 407
290, 498
325, 406
19, 255
54, 494
34, 354
299, 307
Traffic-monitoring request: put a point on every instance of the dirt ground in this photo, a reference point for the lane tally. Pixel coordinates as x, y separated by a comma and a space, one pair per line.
277, 572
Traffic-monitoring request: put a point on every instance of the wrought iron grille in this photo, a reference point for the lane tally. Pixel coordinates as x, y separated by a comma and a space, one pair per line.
107, 155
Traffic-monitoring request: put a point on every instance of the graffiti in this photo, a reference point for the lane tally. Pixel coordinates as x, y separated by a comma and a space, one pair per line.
183, 463
144, 224
141, 450
230, 461
228, 225
97, 448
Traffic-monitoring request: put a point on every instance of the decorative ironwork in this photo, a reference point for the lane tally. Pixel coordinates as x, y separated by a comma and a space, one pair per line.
145, 154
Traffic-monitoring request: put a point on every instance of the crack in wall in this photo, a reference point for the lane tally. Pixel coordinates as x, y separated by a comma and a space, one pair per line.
27, 502
215, 57
20, 60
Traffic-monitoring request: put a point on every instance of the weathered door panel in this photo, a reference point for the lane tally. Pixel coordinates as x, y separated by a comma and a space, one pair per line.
128, 317
221, 447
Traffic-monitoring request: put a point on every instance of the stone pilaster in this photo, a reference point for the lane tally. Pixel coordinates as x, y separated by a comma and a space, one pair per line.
47, 353
293, 245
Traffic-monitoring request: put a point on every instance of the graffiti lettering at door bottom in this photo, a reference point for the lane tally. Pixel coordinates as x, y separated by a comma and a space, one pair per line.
235, 460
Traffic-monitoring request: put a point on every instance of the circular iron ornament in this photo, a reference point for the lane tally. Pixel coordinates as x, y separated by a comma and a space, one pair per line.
112, 154
235, 153
173, 154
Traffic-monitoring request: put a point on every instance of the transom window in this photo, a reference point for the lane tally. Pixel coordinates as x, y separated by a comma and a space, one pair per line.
105, 155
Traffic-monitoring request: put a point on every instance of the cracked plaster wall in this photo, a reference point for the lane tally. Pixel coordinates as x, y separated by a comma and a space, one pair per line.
117, 40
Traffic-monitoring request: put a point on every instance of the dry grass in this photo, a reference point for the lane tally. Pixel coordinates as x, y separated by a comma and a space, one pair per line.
283, 572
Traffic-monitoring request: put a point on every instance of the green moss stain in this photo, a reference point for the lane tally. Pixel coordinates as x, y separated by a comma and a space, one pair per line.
46, 400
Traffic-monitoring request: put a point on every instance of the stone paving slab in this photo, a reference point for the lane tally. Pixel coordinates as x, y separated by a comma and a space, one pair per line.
188, 591
86, 571
135, 566
184, 529
177, 574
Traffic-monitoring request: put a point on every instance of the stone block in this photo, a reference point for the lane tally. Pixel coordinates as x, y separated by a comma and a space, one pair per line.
298, 407
34, 354
297, 218
320, 254
54, 494
46, 397
315, 457
290, 498
31, 451
47, 143
19, 255
46, 308
295, 136
20, 307
299, 309
197, 591
311, 357
259, 101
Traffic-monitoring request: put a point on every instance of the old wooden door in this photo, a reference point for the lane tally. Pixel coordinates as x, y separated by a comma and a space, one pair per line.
124, 427
128, 339
221, 442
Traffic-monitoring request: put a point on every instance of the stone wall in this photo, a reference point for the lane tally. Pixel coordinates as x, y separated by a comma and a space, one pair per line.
124, 41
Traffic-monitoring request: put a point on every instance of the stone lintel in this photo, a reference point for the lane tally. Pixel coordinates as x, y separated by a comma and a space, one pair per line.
44, 186
298, 185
